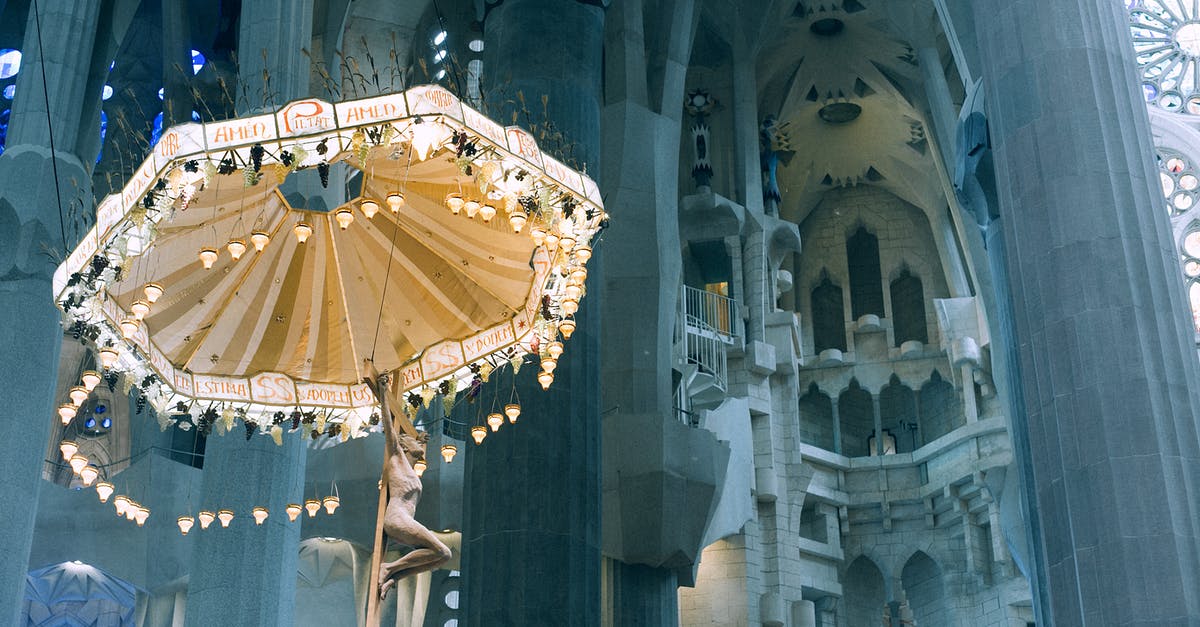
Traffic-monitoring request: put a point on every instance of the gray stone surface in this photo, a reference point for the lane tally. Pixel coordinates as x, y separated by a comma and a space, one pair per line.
1110, 385
33, 235
531, 529
244, 574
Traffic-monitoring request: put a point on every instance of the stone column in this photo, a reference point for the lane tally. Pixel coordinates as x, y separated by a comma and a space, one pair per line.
531, 511
878, 424
837, 425
643, 595
970, 403
177, 64
30, 228
246, 574
748, 178
1109, 374
942, 114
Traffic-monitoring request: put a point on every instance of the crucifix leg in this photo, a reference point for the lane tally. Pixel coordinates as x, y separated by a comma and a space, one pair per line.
429, 554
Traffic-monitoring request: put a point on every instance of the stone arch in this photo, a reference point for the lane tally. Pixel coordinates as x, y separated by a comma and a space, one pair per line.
816, 418
941, 411
866, 281
828, 316
909, 321
898, 414
856, 415
925, 589
864, 593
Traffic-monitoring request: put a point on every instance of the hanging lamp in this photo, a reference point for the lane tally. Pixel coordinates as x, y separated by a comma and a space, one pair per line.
90, 379
236, 248
259, 239
208, 256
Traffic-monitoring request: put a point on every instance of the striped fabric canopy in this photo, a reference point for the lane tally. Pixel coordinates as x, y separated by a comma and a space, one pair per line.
386, 287
427, 290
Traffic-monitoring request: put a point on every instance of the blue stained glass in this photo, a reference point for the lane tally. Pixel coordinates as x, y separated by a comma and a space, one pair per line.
4, 128
103, 132
10, 63
156, 130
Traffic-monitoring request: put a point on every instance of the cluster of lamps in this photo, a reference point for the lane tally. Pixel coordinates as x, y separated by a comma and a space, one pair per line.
129, 326
259, 513
126, 507
494, 421
369, 207
303, 230
79, 393
485, 210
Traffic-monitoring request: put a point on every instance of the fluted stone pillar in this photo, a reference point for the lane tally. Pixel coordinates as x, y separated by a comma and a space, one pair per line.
643, 595
176, 63
531, 512
35, 230
1109, 371
246, 574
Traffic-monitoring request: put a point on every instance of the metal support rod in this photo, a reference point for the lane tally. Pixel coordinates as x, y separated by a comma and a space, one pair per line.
380, 386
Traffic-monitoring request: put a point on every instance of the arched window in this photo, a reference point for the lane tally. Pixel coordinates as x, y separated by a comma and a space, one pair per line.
1166, 43
865, 595
866, 284
898, 415
856, 417
816, 418
925, 590
828, 316
941, 411
908, 309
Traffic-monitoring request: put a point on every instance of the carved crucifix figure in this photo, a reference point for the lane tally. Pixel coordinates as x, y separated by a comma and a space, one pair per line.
404, 491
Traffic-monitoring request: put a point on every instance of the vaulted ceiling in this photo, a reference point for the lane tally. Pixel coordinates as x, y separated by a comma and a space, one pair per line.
843, 76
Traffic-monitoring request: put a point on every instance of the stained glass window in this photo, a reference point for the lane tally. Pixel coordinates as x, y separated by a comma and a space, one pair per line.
1166, 41
1189, 254
1180, 181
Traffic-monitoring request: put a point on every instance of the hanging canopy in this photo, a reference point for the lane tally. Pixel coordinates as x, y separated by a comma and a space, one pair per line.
456, 251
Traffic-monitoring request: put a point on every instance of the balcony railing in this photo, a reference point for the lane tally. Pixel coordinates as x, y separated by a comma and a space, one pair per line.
709, 312
707, 325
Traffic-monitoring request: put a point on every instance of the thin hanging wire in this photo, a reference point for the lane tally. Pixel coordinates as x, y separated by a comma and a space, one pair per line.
391, 255
37, 18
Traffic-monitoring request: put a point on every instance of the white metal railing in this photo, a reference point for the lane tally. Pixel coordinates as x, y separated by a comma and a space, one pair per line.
708, 354
707, 324
709, 312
